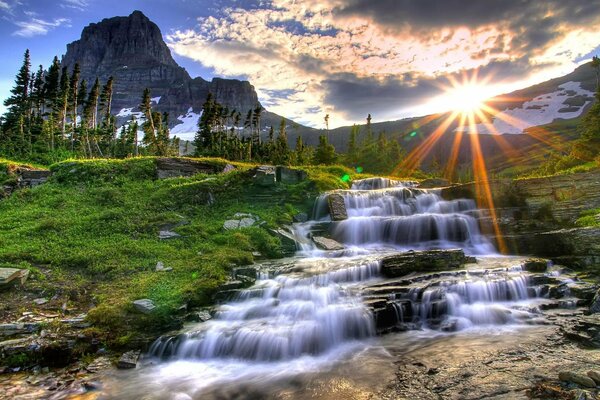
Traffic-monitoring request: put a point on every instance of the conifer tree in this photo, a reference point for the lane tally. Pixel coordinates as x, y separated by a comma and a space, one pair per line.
325, 152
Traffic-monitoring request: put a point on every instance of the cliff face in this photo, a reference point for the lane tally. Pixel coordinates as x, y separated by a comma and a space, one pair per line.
132, 50
537, 216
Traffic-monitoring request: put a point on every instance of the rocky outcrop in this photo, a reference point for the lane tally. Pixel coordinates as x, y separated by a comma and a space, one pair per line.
131, 49
12, 276
171, 167
402, 264
555, 199
574, 247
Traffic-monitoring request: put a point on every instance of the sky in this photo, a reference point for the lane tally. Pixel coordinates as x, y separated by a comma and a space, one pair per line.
346, 58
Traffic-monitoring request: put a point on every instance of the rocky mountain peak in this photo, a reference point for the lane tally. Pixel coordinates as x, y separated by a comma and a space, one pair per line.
132, 50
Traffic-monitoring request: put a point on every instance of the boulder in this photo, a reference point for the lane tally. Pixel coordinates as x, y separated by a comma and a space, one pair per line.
300, 217
160, 267
129, 360
535, 265
171, 167
145, 306
402, 264
578, 379
324, 243
595, 306
264, 175
228, 168
288, 241
167, 234
337, 207
595, 375
10, 276
290, 175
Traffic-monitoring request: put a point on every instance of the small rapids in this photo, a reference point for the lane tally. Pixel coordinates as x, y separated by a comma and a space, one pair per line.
324, 309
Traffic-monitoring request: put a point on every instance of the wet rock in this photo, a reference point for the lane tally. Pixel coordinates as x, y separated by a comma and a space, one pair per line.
160, 267
290, 175
300, 217
129, 360
145, 306
327, 244
595, 375
535, 265
288, 241
265, 176
583, 290
434, 183
578, 379
595, 306
423, 261
337, 207
203, 315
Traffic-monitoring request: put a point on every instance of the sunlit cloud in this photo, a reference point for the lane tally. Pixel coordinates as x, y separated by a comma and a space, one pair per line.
348, 58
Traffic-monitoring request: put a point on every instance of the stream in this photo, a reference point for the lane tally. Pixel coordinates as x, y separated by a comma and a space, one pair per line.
310, 326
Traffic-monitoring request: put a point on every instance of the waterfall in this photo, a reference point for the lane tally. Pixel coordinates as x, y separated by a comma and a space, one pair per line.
382, 212
281, 318
317, 305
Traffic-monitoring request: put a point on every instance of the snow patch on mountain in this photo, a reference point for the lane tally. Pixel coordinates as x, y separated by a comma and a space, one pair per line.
566, 103
155, 99
186, 130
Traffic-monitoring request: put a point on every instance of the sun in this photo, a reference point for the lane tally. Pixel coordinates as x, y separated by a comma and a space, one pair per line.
466, 98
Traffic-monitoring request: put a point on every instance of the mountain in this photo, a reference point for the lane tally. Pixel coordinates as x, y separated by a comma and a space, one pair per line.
526, 126
132, 50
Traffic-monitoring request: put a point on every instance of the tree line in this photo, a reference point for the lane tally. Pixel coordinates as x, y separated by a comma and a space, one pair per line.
223, 133
53, 114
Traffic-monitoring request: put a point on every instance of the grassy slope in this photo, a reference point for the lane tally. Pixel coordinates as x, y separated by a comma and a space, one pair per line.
91, 235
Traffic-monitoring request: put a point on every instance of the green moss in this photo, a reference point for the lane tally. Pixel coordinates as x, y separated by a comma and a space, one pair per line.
589, 218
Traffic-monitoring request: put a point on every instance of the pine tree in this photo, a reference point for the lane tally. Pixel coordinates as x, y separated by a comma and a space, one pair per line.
148, 126
63, 100
325, 152
74, 98
52, 85
18, 117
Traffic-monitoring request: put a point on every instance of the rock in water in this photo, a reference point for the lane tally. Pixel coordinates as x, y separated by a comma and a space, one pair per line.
581, 380
423, 261
145, 306
327, 244
535, 265
129, 360
337, 207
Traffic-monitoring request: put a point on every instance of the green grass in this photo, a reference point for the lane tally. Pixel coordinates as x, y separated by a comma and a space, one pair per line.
93, 229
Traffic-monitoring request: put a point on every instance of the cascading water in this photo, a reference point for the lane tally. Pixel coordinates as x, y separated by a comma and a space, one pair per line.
323, 305
382, 212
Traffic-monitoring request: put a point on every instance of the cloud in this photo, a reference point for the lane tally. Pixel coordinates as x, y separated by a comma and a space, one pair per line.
387, 57
80, 5
37, 26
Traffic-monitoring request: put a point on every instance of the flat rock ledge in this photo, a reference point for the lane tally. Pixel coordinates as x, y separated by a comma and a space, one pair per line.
402, 264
